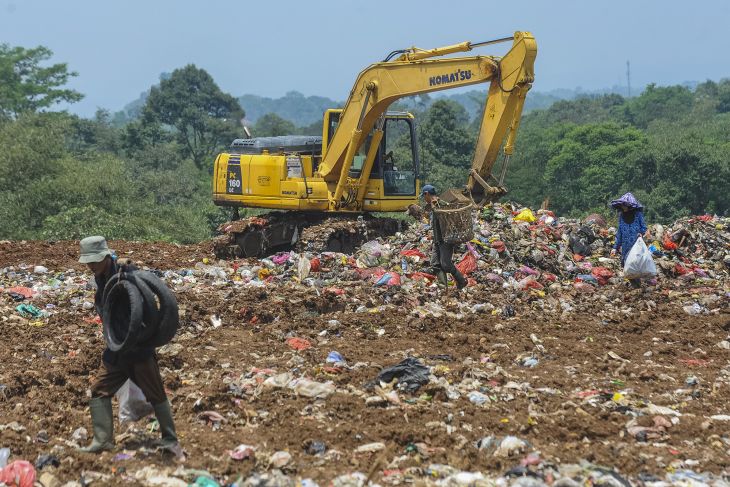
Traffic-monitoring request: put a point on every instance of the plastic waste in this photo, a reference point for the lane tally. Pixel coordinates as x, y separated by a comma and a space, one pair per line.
467, 264
372, 253
639, 262
509, 446
242, 452
279, 459
525, 215
303, 267
336, 358
315, 447
476, 397
4, 455
47, 460
203, 481
298, 343
309, 388
410, 373
530, 362
133, 406
694, 309
19, 473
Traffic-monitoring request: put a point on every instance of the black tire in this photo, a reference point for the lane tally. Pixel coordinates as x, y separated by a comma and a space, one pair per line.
168, 311
109, 285
150, 309
122, 316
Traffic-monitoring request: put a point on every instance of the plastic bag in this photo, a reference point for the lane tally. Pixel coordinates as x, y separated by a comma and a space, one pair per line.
133, 406
526, 215
639, 262
20, 473
372, 253
303, 267
468, 264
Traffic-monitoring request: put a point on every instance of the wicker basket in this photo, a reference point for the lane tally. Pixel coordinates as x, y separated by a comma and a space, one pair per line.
456, 223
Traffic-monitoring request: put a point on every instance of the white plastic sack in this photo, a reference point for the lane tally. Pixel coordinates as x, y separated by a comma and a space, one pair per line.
373, 253
639, 263
303, 267
133, 405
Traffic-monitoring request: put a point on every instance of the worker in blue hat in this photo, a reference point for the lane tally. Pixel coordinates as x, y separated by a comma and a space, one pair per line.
443, 252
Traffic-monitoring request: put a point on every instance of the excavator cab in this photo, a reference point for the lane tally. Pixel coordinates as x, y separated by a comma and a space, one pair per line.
395, 166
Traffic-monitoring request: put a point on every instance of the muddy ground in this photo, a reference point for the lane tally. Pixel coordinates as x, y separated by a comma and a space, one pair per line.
599, 368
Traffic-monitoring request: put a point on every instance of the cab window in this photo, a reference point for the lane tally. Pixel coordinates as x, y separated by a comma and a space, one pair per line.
398, 158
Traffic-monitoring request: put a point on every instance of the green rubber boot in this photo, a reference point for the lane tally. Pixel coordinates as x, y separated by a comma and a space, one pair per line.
102, 420
163, 413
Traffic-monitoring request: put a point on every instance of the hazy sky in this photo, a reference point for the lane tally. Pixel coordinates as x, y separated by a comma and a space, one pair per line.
317, 47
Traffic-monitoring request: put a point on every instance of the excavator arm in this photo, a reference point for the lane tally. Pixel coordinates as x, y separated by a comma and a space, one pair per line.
413, 73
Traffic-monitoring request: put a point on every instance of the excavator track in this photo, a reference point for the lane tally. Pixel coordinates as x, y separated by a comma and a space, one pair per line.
264, 235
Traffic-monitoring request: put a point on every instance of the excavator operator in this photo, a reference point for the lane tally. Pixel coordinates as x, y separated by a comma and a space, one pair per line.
441, 256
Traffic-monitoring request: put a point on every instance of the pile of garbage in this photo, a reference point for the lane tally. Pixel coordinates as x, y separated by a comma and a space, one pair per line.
514, 249
326, 368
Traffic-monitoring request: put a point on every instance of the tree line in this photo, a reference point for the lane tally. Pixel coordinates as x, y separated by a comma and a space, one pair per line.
63, 177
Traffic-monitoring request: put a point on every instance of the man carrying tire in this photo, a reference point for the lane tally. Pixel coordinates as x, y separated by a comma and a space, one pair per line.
139, 364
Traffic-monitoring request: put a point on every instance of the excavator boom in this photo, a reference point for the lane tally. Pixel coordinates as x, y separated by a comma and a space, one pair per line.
416, 72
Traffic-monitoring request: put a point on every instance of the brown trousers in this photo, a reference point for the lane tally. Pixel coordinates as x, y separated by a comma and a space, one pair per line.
145, 373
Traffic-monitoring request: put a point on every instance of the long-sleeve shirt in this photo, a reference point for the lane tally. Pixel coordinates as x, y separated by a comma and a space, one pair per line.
136, 355
435, 226
629, 228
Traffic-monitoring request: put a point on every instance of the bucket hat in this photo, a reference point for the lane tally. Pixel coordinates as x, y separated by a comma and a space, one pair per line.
94, 249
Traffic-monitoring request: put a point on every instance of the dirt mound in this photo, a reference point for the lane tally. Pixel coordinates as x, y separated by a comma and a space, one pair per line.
541, 368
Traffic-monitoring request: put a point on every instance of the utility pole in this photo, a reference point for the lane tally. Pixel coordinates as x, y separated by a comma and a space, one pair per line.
628, 76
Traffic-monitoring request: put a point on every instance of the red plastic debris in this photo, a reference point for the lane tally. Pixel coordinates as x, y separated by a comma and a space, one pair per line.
23, 291
602, 275
298, 343
668, 244
413, 253
681, 270
499, 246
19, 473
315, 264
468, 264
421, 276
695, 362
549, 277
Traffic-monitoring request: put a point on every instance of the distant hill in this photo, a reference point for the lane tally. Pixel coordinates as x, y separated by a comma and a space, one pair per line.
305, 110
294, 106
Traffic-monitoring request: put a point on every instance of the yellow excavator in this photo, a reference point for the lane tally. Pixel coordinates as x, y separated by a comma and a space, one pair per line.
366, 159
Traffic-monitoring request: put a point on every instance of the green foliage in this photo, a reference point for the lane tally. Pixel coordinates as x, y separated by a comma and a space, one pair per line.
65, 177
27, 86
271, 125
591, 164
668, 146
198, 115
668, 103
446, 144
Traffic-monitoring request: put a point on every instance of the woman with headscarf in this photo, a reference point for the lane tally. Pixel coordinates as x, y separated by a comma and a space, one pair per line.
631, 226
